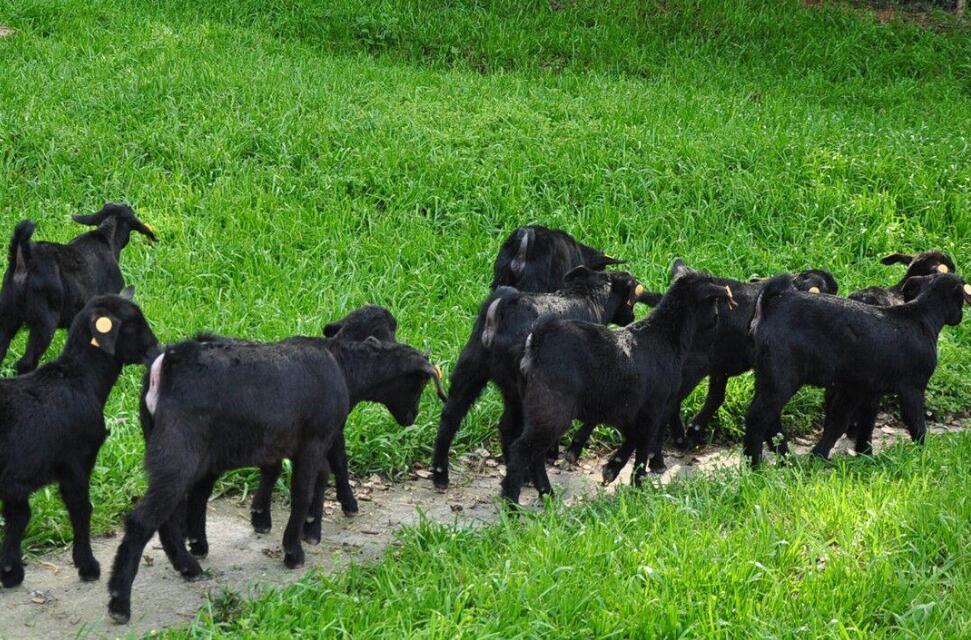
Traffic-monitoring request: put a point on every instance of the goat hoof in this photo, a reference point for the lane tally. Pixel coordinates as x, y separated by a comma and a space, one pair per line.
440, 480
571, 456
657, 467
199, 548
12, 576
311, 532
119, 610
191, 571
351, 510
293, 560
90, 572
261, 521
819, 453
609, 474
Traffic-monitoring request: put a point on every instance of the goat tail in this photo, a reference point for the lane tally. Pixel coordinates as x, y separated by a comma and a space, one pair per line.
491, 326
18, 255
533, 342
773, 288
518, 262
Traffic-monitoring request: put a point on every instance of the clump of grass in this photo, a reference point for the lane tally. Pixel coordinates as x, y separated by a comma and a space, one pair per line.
300, 159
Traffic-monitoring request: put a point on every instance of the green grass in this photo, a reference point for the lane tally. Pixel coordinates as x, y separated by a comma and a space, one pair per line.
300, 158
862, 548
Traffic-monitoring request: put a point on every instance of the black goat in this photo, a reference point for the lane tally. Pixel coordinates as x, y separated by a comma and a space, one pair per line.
908, 288
495, 348
536, 258
628, 378
827, 342
922, 264
218, 405
720, 356
367, 321
52, 424
47, 284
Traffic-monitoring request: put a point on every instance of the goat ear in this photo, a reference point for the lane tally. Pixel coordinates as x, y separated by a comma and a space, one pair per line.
92, 219
128, 293
332, 329
650, 298
104, 330
577, 273
436, 376
599, 262
897, 258
144, 229
678, 269
756, 279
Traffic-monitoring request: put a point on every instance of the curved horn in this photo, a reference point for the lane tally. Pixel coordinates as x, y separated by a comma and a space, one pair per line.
436, 375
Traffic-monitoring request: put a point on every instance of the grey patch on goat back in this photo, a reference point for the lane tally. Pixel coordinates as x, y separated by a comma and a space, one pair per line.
491, 324
625, 341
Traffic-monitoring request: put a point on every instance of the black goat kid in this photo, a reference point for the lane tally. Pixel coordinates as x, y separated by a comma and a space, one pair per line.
628, 378
495, 348
825, 341
724, 354
861, 424
367, 321
218, 405
52, 424
536, 258
47, 284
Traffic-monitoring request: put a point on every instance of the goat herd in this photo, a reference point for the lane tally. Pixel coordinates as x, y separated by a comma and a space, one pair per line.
211, 404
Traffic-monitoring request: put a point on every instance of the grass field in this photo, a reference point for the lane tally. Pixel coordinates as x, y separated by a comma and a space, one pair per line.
865, 548
299, 159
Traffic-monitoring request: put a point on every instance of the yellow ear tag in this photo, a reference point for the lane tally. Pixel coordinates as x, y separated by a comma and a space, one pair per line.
639, 290
150, 228
942, 268
95, 342
813, 289
103, 324
967, 289
438, 372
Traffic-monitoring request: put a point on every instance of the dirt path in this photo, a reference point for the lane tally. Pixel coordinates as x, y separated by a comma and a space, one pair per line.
53, 603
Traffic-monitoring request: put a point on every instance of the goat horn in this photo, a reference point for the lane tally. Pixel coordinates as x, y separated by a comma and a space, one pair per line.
436, 374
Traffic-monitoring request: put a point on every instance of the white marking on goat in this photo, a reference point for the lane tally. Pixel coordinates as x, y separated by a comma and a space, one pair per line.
527, 360
154, 382
625, 341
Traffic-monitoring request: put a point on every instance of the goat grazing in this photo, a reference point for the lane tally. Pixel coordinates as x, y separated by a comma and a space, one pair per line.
825, 341
221, 404
47, 284
536, 258
495, 348
52, 424
628, 378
